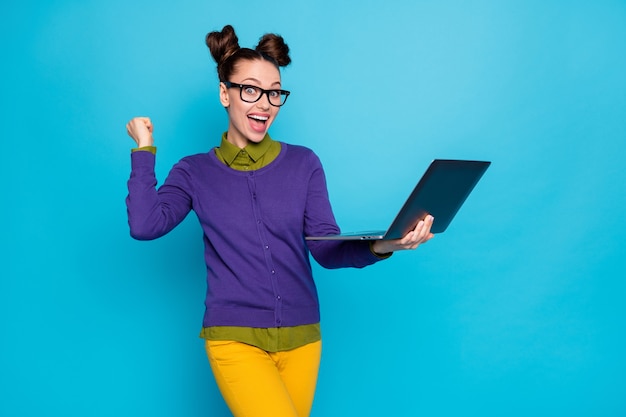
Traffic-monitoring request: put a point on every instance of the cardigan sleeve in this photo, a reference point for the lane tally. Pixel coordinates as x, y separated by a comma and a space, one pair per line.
320, 221
152, 213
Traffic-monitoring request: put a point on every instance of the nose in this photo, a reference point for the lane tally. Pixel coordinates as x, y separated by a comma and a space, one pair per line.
264, 101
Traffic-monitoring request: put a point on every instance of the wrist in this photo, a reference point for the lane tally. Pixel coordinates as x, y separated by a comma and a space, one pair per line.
379, 249
151, 149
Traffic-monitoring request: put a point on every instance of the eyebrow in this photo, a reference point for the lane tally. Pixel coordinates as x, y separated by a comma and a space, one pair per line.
251, 79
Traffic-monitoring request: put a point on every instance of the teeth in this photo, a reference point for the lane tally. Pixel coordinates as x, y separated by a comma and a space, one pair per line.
261, 118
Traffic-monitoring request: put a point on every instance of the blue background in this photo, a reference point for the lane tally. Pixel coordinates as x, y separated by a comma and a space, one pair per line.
518, 309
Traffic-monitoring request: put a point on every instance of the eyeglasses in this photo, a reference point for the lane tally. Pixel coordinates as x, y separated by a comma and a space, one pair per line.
252, 94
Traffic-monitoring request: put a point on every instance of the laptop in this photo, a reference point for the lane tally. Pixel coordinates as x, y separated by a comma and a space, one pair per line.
441, 192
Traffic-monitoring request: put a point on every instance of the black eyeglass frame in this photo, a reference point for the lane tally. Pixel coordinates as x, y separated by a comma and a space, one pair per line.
285, 93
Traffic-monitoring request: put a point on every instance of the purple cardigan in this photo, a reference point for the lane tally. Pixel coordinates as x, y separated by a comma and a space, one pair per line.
254, 223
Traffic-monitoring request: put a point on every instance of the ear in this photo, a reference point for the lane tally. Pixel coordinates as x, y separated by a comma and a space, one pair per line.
224, 98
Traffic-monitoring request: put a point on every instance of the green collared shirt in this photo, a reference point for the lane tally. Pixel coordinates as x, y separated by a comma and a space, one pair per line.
250, 158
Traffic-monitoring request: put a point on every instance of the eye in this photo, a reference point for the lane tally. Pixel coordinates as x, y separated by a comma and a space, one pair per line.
275, 93
250, 90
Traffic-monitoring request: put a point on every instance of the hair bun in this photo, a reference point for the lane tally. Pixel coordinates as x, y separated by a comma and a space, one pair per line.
222, 44
275, 47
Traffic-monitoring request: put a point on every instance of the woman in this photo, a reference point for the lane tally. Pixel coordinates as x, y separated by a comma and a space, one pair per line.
256, 200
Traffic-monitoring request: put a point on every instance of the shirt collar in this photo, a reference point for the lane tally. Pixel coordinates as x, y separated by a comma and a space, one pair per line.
255, 150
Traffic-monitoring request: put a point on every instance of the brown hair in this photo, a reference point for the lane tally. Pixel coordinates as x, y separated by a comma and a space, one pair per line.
225, 49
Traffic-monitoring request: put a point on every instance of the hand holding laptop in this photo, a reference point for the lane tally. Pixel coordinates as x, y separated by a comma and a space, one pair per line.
421, 234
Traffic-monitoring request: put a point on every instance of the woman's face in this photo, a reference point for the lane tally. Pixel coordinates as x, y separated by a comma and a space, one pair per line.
249, 122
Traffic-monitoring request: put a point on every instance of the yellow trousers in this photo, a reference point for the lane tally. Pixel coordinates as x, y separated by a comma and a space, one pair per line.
256, 383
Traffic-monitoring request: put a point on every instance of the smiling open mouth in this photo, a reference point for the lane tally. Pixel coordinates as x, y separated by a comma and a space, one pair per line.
260, 119
258, 122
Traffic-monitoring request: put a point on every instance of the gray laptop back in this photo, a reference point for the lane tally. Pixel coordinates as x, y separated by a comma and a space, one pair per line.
441, 192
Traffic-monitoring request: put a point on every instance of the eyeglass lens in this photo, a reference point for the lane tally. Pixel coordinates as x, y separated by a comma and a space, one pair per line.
251, 94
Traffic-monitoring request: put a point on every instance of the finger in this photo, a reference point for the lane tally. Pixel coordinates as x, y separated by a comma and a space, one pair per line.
429, 221
421, 233
413, 236
424, 231
140, 120
418, 233
145, 121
